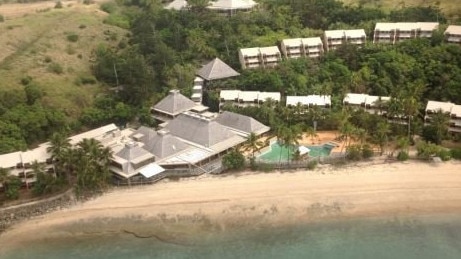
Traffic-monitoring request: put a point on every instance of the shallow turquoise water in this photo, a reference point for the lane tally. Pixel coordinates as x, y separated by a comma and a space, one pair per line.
436, 236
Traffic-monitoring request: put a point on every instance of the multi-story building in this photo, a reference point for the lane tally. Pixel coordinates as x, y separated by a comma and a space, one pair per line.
370, 103
395, 32
334, 39
453, 34
197, 90
302, 47
246, 98
309, 101
260, 57
452, 110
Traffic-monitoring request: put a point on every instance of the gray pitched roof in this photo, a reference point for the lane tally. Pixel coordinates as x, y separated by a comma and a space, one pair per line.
216, 69
194, 128
146, 132
241, 123
133, 153
174, 104
164, 144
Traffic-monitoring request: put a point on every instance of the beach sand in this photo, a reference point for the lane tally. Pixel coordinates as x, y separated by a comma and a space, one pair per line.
171, 210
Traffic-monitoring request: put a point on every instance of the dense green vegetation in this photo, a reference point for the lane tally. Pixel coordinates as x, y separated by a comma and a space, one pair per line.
164, 48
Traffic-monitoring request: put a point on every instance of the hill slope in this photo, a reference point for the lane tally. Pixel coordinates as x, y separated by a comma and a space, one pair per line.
54, 48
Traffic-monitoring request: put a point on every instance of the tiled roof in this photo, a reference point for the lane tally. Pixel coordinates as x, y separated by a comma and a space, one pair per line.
216, 69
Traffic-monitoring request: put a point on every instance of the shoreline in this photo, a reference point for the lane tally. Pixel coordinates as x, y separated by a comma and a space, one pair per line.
174, 211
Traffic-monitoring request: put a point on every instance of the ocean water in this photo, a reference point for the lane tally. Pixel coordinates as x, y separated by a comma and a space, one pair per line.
435, 236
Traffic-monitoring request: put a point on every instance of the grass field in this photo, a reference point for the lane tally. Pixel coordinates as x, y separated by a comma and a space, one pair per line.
40, 45
452, 8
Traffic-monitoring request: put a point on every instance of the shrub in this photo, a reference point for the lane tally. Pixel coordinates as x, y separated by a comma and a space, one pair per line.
367, 152
311, 165
455, 153
427, 150
82, 26
47, 59
353, 153
118, 20
70, 50
88, 2
444, 154
26, 80
85, 80
109, 7
72, 37
46, 183
402, 156
2, 19
234, 160
12, 188
55, 68
58, 5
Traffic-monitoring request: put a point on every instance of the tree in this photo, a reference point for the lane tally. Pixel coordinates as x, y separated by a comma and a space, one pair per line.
437, 130
60, 149
11, 184
234, 160
253, 144
381, 135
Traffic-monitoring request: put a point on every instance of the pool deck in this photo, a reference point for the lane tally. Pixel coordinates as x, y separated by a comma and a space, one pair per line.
324, 137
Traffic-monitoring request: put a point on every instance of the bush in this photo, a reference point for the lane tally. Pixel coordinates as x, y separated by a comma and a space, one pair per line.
444, 154
118, 20
353, 153
46, 183
12, 188
109, 7
234, 160
2, 19
82, 26
55, 68
311, 165
48, 59
26, 80
58, 5
367, 152
403, 156
427, 150
72, 37
455, 153
88, 2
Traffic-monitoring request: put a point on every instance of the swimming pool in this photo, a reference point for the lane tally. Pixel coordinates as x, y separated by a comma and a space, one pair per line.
281, 153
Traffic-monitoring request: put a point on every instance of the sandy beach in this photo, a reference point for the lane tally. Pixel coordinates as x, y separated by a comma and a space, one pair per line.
254, 199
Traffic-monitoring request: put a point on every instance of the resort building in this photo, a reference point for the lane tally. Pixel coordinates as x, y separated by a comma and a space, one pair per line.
302, 47
333, 39
215, 70
451, 109
174, 104
20, 163
246, 98
309, 101
191, 143
260, 57
197, 90
227, 7
370, 103
453, 34
395, 32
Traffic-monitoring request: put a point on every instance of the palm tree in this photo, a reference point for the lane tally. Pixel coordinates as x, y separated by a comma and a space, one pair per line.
440, 122
37, 169
310, 132
381, 134
360, 135
59, 149
253, 144
291, 137
346, 131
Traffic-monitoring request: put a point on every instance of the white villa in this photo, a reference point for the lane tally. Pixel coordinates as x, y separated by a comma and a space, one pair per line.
395, 32
370, 103
309, 101
227, 7
263, 57
451, 109
246, 98
302, 47
453, 34
335, 38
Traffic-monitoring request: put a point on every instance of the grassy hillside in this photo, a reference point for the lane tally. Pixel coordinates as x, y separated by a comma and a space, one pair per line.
54, 48
451, 8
